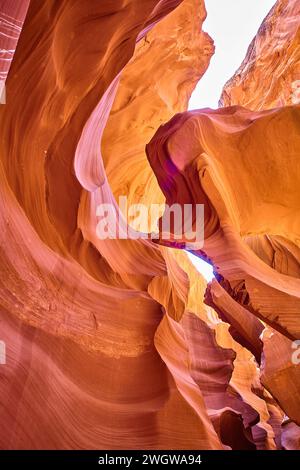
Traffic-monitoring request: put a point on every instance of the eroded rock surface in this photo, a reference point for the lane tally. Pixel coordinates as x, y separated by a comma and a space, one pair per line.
109, 343
270, 73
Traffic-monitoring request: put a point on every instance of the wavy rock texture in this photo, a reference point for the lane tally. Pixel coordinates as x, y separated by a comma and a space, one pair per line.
109, 343
12, 15
274, 54
155, 85
76, 316
238, 202
243, 167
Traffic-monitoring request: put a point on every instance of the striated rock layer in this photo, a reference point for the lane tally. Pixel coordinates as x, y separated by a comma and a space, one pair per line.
239, 201
156, 84
76, 316
274, 54
109, 344
12, 15
243, 166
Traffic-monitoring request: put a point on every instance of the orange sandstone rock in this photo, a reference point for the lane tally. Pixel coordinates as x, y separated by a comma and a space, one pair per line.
270, 73
76, 316
109, 343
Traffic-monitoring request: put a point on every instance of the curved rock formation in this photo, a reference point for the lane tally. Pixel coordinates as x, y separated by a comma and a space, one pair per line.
238, 201
243, 167
155, 85
109, 344
76, 317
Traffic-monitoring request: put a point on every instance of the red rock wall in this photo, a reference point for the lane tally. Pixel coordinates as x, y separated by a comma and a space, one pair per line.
242, 165
76, 317
12, 17
109, 343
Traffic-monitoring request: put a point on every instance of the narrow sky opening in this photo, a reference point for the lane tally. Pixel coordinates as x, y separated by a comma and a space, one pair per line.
202, 266
232, 24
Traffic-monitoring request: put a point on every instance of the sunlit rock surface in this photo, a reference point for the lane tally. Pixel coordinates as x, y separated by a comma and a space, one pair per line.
76, 315
12, 15
120, 344
242, 166
274, 54
238, 202
156, 84
270, 73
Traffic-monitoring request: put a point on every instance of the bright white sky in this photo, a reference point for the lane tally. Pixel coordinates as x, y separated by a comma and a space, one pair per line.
232, 24
204, 268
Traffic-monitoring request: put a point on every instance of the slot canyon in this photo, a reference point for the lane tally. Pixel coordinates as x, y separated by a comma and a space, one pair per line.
120, 342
